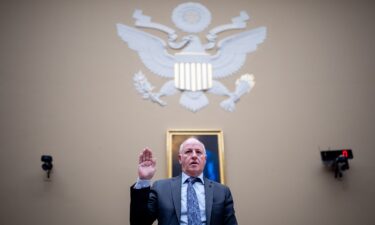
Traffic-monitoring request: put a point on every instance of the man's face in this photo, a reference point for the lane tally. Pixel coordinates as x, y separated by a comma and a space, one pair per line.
192, 158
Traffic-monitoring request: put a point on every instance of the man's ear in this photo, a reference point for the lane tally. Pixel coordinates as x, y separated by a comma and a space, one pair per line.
179, 158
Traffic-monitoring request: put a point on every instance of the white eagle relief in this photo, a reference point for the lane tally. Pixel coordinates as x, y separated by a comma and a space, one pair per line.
193, 71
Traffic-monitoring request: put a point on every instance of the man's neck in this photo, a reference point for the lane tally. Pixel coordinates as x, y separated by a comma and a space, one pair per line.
186, 176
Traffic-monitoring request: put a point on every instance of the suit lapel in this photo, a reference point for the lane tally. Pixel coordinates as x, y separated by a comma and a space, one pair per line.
209, 192
176, 195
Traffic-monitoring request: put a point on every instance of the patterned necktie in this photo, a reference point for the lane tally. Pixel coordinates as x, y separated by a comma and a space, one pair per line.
194, 215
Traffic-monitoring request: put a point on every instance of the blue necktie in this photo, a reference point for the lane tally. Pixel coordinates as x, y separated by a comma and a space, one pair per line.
194, 215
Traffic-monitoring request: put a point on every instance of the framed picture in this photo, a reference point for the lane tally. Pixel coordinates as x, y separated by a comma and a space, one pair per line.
214, 144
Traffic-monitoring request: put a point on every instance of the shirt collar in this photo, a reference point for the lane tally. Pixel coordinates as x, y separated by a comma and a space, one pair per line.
185, 177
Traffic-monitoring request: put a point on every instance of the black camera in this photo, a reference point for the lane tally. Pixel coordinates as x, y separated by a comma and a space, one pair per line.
47, 164
338, 160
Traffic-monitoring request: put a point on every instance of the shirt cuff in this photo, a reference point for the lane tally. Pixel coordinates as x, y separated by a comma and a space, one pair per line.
142, 184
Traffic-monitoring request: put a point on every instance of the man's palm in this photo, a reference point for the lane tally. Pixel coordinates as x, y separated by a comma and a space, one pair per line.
146, 170
147, 165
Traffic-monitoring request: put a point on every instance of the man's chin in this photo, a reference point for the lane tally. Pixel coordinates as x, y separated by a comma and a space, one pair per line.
194, 168
194, 171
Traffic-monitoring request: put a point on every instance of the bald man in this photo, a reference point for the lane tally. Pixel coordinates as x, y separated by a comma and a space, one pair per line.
188, 199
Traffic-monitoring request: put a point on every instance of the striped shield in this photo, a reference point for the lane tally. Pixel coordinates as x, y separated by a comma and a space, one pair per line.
193, 76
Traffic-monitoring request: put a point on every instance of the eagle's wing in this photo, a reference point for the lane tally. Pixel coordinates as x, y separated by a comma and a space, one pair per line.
233, 49
150, 48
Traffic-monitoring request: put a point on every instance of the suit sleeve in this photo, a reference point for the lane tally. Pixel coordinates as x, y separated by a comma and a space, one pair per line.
140, 213
229, 217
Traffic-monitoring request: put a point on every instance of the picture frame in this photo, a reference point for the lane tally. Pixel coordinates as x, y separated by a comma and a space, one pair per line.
214, 144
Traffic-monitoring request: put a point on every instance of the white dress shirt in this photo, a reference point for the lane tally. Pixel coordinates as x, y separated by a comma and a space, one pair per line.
199, 190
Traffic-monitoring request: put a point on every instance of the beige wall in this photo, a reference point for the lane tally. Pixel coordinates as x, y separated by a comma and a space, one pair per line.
66, 90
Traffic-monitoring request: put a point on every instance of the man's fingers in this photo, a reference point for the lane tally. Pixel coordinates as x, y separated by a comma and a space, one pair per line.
142, 157
148, 153
145, 155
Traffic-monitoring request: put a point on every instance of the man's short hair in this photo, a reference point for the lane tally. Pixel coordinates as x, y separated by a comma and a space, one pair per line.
191, 139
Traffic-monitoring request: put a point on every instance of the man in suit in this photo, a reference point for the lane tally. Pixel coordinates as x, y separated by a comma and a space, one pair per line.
187, 199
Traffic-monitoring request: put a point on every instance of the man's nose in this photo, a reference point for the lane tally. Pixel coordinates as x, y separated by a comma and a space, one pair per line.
194, 154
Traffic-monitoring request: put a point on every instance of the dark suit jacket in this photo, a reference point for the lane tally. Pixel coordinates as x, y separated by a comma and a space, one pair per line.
163, 202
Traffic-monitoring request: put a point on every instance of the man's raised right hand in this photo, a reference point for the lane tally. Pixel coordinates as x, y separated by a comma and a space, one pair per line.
147, 165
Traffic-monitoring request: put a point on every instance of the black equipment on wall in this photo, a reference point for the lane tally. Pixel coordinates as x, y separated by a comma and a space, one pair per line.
338, 160
47, 164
